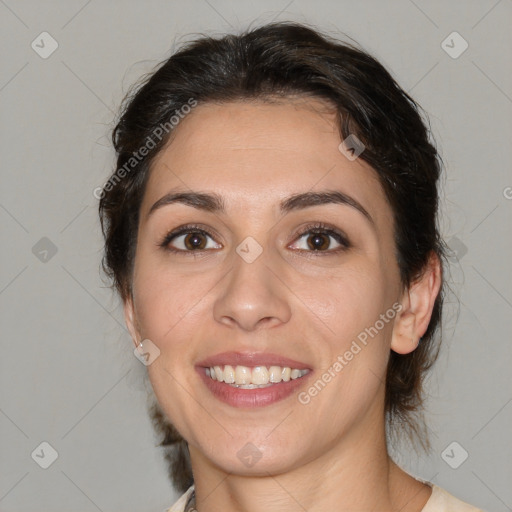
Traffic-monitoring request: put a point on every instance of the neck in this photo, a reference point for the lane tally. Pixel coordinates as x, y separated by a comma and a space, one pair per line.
355, 473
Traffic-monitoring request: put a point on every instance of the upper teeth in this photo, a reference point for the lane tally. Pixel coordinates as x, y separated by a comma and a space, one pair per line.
244, 375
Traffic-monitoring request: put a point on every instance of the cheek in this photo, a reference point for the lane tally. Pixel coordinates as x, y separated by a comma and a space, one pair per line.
165, 298
350, 302
355, 349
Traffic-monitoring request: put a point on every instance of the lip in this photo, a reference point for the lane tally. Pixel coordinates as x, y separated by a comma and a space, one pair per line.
251, 359
252, 398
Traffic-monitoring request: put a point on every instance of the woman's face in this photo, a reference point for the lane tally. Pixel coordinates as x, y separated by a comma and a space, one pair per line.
257, 286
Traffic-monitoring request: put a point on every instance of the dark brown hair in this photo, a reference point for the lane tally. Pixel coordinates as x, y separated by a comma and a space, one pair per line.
282, 60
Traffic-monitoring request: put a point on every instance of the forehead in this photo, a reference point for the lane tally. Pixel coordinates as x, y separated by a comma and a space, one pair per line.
257, 152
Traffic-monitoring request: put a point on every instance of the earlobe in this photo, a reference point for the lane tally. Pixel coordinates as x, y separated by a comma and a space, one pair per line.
418, 302
404, 339
130, 319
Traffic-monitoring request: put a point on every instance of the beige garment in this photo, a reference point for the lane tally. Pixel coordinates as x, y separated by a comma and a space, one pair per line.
439, 501
179, 506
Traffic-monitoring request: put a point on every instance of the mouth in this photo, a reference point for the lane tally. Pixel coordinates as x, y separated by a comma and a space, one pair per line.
249, 380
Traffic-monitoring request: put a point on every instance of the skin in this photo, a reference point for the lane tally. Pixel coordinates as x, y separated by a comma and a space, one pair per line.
308, 305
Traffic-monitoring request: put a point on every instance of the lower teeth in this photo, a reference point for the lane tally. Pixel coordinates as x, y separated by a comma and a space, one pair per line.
251, 386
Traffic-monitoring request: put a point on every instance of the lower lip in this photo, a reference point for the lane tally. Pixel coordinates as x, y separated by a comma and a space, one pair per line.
258, 397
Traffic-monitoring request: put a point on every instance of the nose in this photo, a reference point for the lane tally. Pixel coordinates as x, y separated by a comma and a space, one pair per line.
253, 296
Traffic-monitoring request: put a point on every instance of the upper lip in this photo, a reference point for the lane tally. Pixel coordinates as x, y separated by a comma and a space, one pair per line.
251, 359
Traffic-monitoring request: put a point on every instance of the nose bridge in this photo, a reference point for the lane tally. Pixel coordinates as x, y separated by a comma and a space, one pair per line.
252, 292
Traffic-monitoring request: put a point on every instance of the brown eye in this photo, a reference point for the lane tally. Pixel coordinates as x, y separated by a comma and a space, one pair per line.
318, 241
189, 239
194, 241
321, 239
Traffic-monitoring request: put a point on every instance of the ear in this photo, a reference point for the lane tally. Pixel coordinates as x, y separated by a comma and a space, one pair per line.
131, 320
417, 305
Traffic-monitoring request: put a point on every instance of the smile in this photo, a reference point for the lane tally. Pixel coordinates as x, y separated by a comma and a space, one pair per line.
245, 377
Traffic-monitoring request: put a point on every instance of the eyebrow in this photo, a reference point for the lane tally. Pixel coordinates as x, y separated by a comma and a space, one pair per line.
214, 203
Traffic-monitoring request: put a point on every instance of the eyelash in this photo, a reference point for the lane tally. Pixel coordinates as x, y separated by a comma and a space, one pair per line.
315, 228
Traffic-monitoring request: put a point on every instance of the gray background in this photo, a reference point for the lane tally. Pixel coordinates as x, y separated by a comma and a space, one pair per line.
68, 373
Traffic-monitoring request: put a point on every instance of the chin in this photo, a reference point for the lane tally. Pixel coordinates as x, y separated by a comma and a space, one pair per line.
249, 461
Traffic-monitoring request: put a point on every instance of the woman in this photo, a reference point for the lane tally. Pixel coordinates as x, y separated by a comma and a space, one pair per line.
271, 228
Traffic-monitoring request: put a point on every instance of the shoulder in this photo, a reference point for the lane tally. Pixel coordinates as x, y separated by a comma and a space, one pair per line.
441, 501
179, 506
